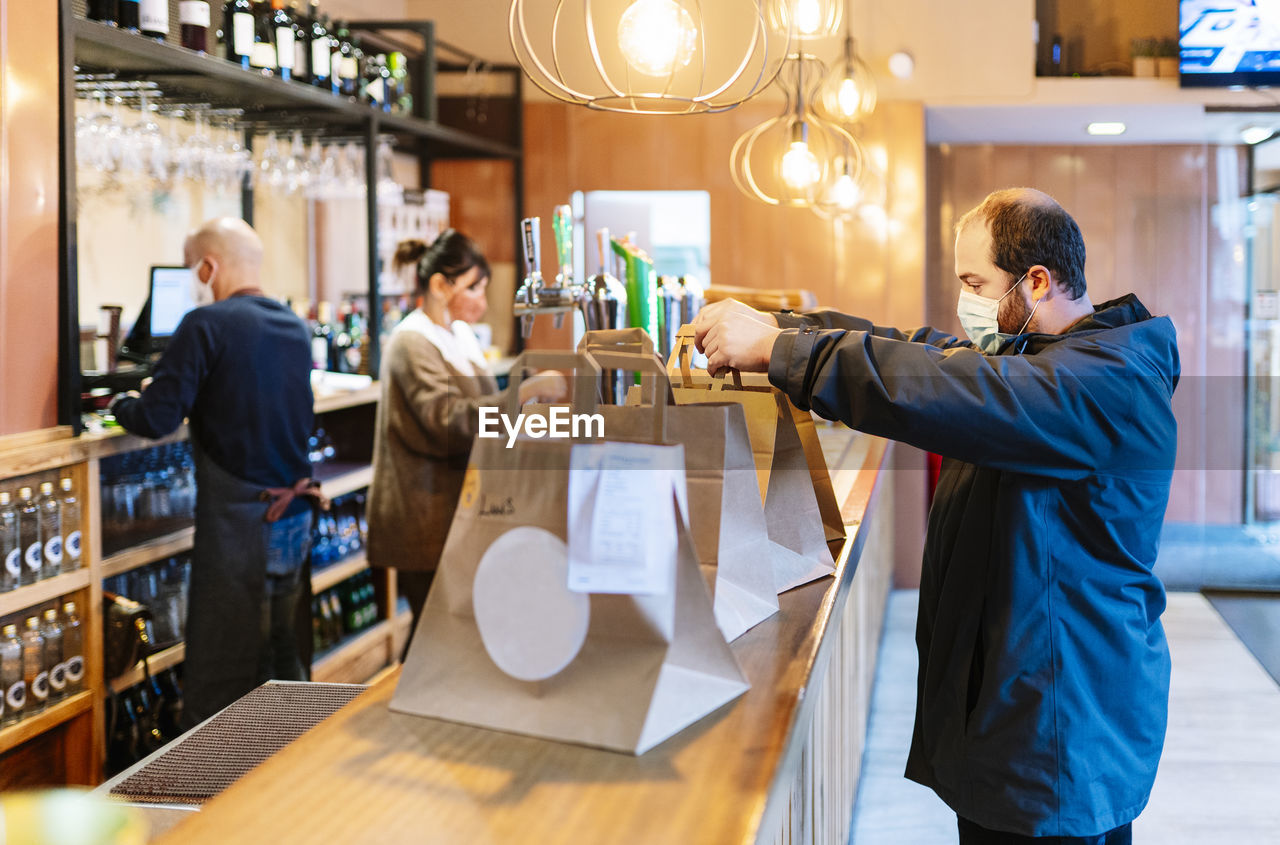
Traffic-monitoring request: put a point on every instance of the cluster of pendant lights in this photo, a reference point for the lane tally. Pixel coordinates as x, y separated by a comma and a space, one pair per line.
661, 57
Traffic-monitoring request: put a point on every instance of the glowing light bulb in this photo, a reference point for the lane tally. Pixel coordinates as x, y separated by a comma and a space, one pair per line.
848, 97
808, 16
845, 193
657, 37
800, 169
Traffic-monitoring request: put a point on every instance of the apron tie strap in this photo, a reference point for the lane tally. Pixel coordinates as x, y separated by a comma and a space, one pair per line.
281, 497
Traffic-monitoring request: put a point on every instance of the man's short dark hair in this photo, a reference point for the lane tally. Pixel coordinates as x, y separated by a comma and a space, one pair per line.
1027, 228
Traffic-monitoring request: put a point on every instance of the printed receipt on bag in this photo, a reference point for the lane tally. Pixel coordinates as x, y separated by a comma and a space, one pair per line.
622, 517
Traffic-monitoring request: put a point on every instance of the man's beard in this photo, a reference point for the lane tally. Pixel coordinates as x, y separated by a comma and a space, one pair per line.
1013, 313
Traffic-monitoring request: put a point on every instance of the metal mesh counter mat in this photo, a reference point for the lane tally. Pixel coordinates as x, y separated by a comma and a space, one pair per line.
217, 753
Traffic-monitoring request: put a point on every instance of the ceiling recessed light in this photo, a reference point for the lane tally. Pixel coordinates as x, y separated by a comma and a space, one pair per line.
1256, 134
1113, 127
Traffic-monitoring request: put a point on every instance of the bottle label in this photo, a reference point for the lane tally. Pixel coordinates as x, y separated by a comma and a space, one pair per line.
58, 677
319, 353
242, 33
75, 669
375, 89
263, 55
154, 15
13, 563
53, 550
320, 58
40, 687
299, 55
72, 547
194, 13
16, 696
33, 557
350, 67
284, 47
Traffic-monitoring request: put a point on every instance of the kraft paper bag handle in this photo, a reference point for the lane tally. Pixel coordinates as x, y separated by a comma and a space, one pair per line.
682, 356
635, 341
652, 374
584, 392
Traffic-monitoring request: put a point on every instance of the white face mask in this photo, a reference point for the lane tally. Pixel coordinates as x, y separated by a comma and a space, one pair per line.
201, 293
980, 318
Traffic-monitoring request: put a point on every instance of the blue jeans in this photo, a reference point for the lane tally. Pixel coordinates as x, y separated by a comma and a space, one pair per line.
287, 547
974, 834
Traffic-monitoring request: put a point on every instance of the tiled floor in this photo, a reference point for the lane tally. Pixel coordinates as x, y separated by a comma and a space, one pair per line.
1219, 779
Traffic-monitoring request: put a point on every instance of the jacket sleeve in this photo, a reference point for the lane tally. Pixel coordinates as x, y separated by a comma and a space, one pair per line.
825, 318
181, 371
1066, 412
446, 415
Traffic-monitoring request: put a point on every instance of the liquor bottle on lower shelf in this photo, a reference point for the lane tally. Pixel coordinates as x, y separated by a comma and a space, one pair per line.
335, 613
54, 666
72, 648
33, 668
29, 538
72, 549
10, 550
13, 686
50, 531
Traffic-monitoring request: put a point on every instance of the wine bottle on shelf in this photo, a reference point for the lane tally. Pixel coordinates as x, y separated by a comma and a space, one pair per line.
10, 550
194, 19
321, 45
50, 531
72, 648
301, 43
69, 509
13, 686
129, 15
51, 630
153, 16
403, 101
33, 669
238, 27
104, 11
263, 56
360, 68
322, 337
29, 538
348, 64
283, 34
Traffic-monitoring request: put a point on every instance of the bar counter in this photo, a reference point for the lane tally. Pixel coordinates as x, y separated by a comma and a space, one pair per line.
778, 764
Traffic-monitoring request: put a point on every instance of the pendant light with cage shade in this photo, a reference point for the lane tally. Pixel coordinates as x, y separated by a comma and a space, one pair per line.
848, 93
796, 158
850, 194
807, 20
648, 56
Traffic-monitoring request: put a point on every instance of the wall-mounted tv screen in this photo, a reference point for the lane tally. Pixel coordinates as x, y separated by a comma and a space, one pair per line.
1229, 42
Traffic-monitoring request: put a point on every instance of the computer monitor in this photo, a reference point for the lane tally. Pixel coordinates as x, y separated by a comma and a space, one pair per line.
170, 299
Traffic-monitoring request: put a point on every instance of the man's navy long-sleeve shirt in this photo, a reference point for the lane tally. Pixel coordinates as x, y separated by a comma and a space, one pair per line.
240, 371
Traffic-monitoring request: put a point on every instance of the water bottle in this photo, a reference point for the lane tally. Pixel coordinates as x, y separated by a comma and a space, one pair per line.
33, 669
10, 551
50, 530
13, 687
29, 538
54, 668
72, 648
72, 550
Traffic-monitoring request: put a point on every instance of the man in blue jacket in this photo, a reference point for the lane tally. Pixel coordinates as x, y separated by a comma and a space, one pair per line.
1043, 686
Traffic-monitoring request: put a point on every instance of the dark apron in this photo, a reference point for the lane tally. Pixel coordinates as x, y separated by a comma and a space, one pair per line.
228, 587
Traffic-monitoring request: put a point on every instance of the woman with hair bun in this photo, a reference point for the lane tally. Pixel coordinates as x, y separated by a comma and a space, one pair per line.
434, 378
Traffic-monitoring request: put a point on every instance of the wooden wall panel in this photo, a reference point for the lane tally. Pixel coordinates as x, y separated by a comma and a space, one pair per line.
29, 200
1157, 222
481, 203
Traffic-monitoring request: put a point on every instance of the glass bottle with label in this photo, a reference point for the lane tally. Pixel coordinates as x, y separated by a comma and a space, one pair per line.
154, 18
29, 538
54, 666
13, 687
322, 45
10, 551
72, 648
322, 337
263, 56
129, 15
33, 669
50, 530
283, 34
347, 68
194, 18
104, 11
72, 550
237, 31
301, 43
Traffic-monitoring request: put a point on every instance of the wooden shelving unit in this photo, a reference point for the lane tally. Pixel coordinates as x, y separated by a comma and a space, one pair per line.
156, 663
41, 592
336, 573
152, 550
46, 720
340, 478
358, 658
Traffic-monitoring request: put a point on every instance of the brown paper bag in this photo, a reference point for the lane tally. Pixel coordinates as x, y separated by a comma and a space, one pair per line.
726, 516
793, 516
649, 665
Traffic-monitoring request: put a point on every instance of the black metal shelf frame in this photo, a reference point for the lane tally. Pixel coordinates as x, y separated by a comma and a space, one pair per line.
88, 47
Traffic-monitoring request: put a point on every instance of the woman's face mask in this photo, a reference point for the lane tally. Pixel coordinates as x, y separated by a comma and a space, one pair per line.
980, 318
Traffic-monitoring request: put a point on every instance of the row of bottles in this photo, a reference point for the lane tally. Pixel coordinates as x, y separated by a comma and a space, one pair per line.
40, 535
337, 345
339, 532
147, 493
143, 718
43, 665
293, 41
164, 588
344, 610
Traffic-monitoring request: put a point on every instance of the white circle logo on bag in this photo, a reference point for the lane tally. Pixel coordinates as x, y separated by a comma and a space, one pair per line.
53, 550
531, 624
33, 557
17, 695
40, 686
73, 545
13, 562
75, 669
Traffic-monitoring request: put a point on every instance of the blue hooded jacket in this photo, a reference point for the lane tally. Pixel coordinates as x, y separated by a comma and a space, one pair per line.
1043, 685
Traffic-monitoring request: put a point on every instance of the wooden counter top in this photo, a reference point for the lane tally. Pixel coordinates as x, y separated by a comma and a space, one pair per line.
367, 774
